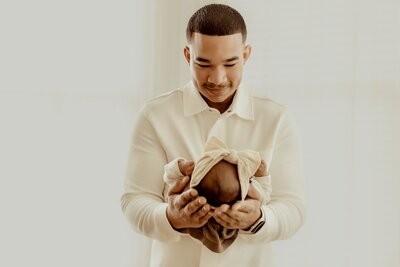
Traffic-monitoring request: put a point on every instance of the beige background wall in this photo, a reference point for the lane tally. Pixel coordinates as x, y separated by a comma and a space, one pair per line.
73, 75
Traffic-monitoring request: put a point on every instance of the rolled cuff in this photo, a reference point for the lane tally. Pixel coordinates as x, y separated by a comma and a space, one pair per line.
163, 226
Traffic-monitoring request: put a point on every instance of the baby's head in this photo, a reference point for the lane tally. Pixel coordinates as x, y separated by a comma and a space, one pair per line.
220, 185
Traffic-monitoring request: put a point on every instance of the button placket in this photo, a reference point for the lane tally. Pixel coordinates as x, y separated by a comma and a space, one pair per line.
217, 128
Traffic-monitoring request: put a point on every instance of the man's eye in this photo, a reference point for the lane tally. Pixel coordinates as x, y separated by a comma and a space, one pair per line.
229, 65
201, 65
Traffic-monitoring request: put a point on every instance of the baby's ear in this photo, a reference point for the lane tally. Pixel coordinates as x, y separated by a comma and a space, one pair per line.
186, 167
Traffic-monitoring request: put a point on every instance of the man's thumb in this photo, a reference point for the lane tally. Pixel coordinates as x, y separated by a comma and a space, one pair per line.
178, 186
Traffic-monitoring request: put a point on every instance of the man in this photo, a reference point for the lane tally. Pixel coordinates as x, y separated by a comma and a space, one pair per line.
179, 123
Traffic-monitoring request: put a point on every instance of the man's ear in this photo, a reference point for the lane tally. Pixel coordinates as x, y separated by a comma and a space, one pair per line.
246, 52
186, 52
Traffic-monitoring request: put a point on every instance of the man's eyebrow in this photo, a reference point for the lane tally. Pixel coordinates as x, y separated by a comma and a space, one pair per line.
200, 59
231, 59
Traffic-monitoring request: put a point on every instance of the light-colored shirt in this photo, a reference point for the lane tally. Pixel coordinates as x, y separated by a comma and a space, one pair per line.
178, 124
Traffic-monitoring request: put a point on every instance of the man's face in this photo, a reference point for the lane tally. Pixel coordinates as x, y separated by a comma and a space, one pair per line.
216, 65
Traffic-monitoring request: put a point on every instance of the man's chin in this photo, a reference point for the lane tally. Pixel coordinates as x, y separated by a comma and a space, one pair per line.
221, 94
218, 100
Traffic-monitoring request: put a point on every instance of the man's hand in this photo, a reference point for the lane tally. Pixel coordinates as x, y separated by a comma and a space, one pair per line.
242, 214
186, 209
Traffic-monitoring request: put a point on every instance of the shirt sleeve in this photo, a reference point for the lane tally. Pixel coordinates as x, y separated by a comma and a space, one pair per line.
263, 185
285, 212
142, 200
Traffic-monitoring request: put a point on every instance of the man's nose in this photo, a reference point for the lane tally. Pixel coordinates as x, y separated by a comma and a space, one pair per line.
217, 76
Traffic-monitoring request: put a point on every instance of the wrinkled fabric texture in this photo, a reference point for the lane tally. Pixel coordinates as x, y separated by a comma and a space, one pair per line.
178, 124
213, 235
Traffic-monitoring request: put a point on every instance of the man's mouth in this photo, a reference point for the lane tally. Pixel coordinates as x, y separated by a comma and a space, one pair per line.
215, 87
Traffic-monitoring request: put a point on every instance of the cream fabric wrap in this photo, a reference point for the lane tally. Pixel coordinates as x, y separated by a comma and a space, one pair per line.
247, 162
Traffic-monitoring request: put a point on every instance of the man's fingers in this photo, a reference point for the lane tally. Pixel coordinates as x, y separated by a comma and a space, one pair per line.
224, 207
183, 199
240, 206
204, 215
226, 221
195, 205
178, 186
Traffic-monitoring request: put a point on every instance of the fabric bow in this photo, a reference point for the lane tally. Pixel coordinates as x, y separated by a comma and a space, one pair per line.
247, 162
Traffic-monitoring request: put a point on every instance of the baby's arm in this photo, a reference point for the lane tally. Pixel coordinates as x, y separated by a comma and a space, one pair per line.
186, 167
262, 182
262, 169
176, 169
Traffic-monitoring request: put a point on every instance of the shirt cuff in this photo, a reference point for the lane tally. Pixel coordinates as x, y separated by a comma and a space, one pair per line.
255, 225
172, 171
164, 226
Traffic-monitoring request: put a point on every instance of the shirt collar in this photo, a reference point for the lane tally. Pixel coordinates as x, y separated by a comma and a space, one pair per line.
242, 104
193, 103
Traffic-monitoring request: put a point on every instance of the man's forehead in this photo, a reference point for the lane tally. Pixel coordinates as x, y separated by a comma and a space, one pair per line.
206, 48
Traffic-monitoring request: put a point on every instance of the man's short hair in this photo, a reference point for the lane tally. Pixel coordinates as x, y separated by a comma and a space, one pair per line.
216, 19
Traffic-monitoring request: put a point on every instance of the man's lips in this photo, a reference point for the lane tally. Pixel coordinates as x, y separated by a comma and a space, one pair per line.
216, 87
217, 91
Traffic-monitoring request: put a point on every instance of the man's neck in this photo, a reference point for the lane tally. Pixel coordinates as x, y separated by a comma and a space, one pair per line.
220, 106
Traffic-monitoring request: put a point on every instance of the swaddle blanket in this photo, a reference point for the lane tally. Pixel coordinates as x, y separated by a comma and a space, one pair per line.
213, 235
247, 162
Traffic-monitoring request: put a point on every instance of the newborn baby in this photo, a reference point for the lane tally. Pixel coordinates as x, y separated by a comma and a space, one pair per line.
222, 176
221, 184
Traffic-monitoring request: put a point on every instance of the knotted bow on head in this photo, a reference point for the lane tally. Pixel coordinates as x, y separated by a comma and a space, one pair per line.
247, 162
